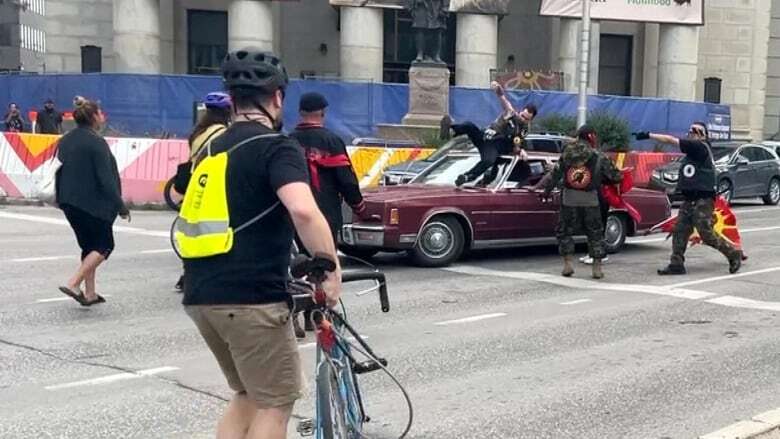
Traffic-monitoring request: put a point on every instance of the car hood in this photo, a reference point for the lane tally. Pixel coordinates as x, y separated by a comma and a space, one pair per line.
408, 192
410, 166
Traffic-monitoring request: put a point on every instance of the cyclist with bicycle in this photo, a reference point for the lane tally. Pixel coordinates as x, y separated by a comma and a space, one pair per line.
211, 125
239, 299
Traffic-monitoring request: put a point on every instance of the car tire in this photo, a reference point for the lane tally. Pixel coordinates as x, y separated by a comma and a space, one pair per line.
439, 243
726, 190
615, 233
359, 253
772, 196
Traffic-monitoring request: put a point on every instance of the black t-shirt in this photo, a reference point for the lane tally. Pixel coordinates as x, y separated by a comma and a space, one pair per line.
697, 153
255, 271
48, 122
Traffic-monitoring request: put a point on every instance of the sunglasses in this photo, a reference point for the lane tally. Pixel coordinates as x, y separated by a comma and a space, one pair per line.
696, 131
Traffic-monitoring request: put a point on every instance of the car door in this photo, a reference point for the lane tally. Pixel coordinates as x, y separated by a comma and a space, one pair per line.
520, 213
765, 170
742, 174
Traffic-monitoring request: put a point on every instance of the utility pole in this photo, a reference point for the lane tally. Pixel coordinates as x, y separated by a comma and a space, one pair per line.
582, 108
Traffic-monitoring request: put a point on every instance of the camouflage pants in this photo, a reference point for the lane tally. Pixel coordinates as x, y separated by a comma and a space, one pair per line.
698, 214
584, 219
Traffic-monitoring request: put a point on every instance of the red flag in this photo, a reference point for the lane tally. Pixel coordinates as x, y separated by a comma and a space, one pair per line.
724, 224
614, 197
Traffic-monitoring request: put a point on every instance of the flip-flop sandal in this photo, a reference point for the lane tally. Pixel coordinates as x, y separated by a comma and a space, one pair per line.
98, 299
77, 297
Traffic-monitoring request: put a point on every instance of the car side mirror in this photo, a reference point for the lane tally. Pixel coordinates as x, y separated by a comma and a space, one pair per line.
742, 161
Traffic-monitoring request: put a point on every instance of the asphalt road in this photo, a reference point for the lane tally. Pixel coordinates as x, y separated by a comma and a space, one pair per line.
497, 346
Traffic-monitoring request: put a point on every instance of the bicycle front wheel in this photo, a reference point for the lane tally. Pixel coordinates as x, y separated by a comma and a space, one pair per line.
331, 410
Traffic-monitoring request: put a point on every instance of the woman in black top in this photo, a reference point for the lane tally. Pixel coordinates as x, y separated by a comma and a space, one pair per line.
89, 193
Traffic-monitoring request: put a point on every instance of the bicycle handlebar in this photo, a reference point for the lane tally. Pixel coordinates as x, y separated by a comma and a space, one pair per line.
379, 277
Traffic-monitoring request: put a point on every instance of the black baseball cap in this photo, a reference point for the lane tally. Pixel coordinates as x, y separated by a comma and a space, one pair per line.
311, 102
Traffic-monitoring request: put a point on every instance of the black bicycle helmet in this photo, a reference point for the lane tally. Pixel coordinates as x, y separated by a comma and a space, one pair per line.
254, 68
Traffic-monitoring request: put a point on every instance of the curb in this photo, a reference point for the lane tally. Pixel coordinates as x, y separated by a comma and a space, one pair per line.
763, 426
13, 201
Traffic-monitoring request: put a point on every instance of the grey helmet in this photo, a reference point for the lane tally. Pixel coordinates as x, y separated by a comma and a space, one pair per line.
254, 68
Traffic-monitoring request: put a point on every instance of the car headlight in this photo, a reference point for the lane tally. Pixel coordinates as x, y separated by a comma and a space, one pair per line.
657, 175
671, 176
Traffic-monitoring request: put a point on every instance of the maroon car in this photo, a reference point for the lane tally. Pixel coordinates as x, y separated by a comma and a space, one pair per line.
436, 222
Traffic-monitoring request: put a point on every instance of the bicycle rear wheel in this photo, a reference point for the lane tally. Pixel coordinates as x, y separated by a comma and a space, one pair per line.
331, 409
172, 198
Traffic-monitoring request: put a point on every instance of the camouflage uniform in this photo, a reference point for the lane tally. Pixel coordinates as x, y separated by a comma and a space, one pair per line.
579, 205
698, 214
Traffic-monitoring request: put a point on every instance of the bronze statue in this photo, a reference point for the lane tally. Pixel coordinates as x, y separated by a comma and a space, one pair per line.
429, 19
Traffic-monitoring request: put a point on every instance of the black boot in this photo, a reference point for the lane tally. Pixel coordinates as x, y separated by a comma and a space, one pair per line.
180, 284
735, 263
461, 180
671, 270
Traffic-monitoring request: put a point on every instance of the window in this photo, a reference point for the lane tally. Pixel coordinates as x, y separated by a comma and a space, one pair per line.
91, 59
400, 49
615, 57
207, 36
525, 174
543, 145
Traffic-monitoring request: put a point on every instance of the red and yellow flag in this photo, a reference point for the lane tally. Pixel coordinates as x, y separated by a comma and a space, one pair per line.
724, 224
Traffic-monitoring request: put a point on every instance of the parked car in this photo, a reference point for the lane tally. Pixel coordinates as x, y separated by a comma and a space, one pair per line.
436, 222
404, 172
743, 171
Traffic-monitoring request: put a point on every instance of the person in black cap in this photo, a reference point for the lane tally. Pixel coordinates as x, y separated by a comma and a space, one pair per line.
49, 120
332, 178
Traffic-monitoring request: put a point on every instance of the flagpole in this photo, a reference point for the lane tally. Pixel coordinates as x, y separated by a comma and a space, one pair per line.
582, 108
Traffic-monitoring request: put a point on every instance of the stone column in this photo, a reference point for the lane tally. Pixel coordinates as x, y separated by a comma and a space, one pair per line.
137, 36
567, 52
650, 69
476, 49
250, 24
362, 43
595, 57
678, 55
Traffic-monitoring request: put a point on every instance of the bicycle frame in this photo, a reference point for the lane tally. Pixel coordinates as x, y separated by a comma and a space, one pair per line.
337, 361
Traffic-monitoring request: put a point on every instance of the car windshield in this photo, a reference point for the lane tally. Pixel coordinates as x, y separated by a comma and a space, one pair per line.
447, 170
453, 145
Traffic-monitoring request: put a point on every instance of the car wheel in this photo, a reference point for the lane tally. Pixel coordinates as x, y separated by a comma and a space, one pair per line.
615, 233
772, 196
359, 253
726, 190
439, 243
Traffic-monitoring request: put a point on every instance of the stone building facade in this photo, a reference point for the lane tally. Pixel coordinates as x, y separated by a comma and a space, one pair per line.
739, 44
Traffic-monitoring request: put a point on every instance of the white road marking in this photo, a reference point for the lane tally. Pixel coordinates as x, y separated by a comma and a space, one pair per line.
471, 319
44, 258
763, 209
154, 252
576, 302
113, 378
582, 283
725, 277
741, 232
62, 299
760, 425
741, 302
61, 222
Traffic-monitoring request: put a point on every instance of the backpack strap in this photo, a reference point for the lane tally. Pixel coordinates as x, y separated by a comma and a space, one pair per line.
273, 206
257, 218
252, 139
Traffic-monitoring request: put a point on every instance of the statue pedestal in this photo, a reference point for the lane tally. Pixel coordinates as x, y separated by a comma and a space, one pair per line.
429, 102
429, 94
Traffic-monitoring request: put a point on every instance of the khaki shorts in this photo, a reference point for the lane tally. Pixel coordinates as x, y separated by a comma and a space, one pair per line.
256, 349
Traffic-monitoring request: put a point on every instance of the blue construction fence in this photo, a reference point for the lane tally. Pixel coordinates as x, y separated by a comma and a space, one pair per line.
155, 105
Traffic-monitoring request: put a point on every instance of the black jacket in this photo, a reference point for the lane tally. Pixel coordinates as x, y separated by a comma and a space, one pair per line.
89, 178
697, 178
330, 185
